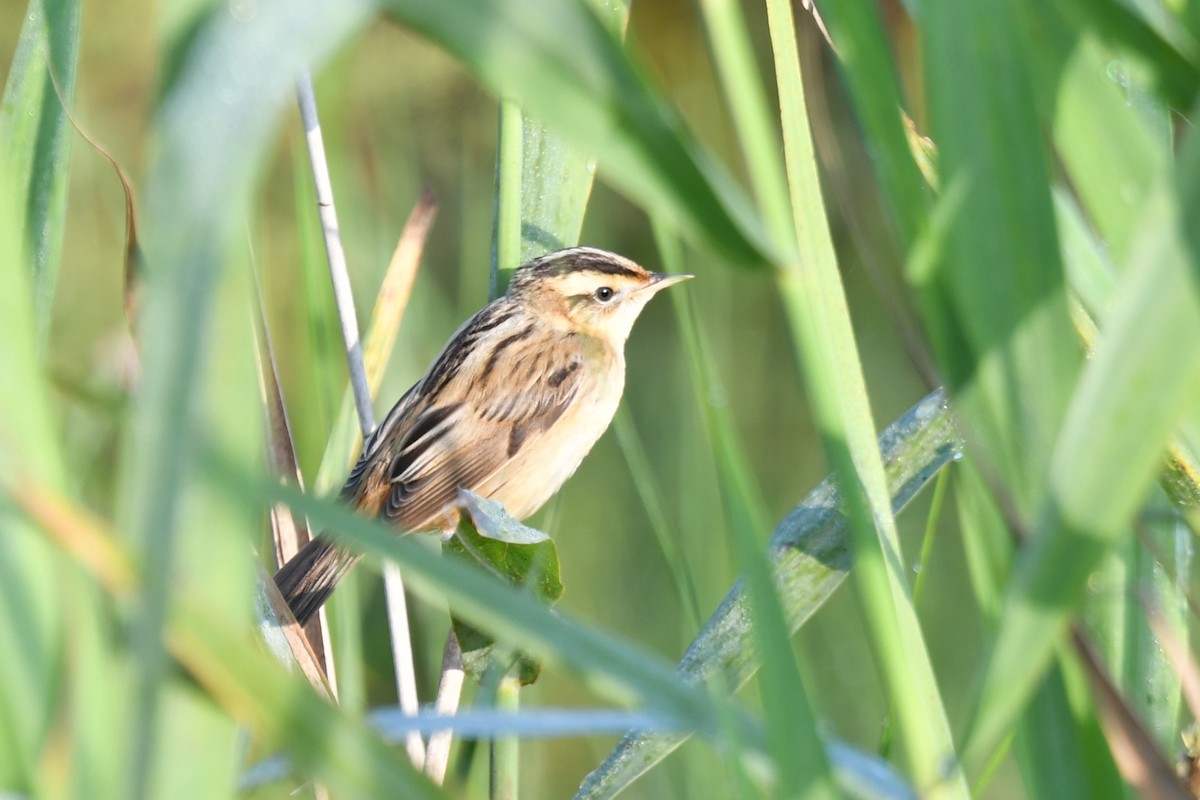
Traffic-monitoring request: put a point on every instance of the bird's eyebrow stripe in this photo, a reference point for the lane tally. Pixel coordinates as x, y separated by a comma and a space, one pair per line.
589, 263
607, 268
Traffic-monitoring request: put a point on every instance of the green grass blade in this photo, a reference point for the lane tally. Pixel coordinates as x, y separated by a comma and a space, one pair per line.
1151, 682
193, 749
1048, 746
1053, 723
564, 66
815, 302
1175, 60
811, 554
35, 139
211, 130
509, 179
322, 369
555, 186
1110, 449
31, 609
1102, 142
996, 307
745, 92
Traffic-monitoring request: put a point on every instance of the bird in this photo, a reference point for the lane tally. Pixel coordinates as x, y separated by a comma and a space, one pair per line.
508, 409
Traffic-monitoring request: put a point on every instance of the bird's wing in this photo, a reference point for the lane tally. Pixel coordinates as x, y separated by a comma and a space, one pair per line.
353, 485
463, 443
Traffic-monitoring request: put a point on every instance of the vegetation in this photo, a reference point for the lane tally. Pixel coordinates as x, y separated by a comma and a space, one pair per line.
993, 197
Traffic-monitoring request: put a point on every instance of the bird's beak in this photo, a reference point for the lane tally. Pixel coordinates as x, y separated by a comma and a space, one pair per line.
661, 280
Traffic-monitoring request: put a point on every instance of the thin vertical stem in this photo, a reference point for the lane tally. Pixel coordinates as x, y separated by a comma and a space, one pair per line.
406, 678
401, 642
437, 756
509, 163
338, 273
506, 751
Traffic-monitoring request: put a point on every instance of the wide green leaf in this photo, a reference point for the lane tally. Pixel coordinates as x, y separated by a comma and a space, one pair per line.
35, 139
566, 68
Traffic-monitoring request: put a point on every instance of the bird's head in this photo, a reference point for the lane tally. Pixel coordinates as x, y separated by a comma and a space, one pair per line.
589, 291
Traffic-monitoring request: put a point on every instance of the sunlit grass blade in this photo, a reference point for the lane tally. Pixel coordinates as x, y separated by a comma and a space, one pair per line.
745, 92
1174, 57
35, 139
31, 607
565, 67
1101, 140
815, 302
811, 554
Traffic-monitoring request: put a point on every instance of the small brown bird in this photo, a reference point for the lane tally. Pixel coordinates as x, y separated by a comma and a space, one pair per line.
508, 410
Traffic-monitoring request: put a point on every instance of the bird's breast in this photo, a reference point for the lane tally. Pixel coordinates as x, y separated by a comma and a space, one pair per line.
540, 470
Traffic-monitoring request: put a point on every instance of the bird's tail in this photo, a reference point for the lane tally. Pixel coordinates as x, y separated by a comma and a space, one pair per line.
307, 580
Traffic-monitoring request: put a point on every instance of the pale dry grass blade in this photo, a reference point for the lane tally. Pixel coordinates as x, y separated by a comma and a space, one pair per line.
390, 305
308, 658
308, 645
289, 534
396, 289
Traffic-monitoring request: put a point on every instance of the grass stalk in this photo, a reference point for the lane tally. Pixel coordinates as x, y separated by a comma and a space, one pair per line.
815, 302
507, 256
402, 655
505, 772
437, 755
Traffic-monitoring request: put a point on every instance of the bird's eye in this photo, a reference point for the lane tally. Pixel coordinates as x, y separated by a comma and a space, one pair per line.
604, 294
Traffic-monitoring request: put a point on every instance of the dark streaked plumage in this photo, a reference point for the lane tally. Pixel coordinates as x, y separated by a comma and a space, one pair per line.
508, 410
